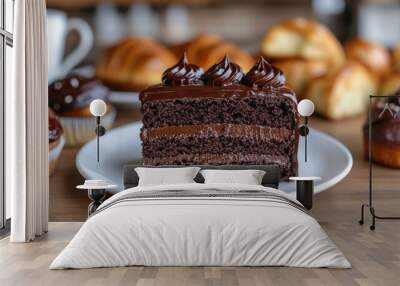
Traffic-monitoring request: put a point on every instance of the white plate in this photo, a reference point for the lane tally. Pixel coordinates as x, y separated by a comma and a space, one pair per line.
119, 98
125, 99
327, 158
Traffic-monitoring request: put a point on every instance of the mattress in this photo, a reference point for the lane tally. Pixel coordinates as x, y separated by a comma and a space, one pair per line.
201, 225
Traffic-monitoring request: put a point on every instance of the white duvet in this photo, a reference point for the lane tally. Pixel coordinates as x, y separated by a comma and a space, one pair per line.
200, 231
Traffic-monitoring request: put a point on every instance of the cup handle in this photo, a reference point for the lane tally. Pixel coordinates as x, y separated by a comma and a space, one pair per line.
83, 48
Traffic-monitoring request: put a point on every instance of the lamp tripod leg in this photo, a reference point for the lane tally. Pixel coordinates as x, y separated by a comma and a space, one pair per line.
372, 226
361, 221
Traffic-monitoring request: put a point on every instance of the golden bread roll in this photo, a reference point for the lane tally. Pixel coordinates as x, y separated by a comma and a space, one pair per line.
299, 73
302, 39
396, 58
134, 64
198, 45
342, 94
390, 84
206, 50
371, 55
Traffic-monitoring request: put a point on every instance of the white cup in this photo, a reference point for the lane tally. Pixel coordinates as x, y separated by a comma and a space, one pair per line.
58, 27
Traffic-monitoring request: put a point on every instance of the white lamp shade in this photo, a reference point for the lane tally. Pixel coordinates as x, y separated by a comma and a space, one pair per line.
305, 107
98, 107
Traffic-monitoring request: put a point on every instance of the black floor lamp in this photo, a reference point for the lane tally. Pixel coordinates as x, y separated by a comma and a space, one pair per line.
305, 185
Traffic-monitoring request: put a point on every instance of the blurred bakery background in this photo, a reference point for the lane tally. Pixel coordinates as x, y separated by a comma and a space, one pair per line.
334, 52
241, 21
245, 24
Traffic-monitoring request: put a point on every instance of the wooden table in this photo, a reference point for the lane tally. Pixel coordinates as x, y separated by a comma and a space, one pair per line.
67, 204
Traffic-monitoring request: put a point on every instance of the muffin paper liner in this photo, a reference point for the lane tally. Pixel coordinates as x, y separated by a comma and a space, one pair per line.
54, 154
79, 130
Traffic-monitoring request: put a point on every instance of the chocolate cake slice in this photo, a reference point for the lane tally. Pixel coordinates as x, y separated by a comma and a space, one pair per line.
220, 117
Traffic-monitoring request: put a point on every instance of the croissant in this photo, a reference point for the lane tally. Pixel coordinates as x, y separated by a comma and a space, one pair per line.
344, 93
371, 55
302, 39
134, 64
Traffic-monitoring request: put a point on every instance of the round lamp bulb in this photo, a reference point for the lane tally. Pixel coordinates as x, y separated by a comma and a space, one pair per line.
98, 107
305, 107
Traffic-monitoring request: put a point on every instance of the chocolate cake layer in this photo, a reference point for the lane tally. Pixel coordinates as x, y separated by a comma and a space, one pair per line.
287, 167
172, 147
262, 109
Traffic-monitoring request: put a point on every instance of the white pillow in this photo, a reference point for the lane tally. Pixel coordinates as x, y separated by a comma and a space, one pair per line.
165, 176
248, 177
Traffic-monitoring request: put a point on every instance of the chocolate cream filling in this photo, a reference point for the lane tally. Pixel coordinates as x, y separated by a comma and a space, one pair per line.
214, 130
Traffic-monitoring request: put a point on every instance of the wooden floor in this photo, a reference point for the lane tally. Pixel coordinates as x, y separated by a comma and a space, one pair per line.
375, 256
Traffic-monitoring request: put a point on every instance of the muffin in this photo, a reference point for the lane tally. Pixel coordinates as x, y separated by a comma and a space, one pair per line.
385, 143
133, 64
70, 98
56, 140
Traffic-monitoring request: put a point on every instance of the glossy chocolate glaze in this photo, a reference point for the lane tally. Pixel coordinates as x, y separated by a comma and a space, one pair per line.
75, 92
183, 73
223, 73
221, 81
385, 121
55, 128
161, 92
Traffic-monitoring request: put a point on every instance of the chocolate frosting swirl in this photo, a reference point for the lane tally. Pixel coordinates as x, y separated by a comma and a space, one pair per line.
75, 92
223, 73
263, 74
183, 73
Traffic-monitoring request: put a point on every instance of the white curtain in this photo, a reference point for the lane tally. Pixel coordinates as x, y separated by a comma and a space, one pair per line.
27, 124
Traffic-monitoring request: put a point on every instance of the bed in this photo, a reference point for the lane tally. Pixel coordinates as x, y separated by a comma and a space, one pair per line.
199, 224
